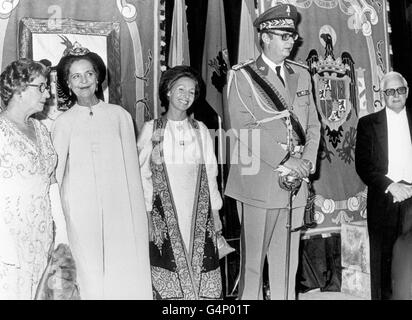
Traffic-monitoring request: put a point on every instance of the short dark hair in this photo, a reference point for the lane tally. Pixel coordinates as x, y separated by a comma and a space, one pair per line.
169, 78
63, 71
17, 75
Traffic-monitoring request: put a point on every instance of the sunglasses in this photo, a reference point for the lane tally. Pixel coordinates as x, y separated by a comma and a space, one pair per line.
286, 36
391, 92
42, 86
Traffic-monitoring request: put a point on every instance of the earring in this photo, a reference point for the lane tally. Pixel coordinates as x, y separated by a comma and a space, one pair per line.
70, 92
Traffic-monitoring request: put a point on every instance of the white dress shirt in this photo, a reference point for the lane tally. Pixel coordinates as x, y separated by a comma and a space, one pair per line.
399, 146
273, 65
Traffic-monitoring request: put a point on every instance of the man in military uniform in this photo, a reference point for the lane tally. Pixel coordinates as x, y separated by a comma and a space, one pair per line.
274, 96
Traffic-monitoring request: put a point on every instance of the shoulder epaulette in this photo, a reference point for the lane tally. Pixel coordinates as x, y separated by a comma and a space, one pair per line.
242, 64
297, 64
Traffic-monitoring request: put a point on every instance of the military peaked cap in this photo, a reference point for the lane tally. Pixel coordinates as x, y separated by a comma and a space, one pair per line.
282, 17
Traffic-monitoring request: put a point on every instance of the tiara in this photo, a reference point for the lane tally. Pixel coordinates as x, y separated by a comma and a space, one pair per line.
74, 49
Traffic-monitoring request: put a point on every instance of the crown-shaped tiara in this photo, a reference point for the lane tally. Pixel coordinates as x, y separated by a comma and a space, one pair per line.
331, 65
76, 50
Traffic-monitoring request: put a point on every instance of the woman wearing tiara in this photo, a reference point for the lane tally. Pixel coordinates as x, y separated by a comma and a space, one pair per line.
101, 190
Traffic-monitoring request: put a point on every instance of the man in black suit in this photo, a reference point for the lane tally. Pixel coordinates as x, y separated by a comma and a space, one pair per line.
383, 159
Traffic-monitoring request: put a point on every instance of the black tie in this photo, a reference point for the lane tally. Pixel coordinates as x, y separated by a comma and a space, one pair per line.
279, 75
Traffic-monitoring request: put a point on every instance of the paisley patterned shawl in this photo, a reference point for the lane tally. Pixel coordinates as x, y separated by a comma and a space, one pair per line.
176, 273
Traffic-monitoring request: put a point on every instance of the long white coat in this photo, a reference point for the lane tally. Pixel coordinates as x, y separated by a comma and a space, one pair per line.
102, 198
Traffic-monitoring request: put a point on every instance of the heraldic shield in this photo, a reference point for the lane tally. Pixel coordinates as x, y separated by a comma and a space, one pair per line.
333, 99
335, 88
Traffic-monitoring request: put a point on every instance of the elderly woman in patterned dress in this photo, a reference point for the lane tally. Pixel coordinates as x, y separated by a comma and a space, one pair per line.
27, 162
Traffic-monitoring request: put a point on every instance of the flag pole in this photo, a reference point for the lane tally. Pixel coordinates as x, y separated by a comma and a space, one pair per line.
220, 154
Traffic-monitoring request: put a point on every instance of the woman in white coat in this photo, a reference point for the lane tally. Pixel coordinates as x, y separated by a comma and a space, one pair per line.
101, 190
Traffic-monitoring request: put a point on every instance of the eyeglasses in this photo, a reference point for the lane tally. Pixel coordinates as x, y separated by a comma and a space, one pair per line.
286, 36
42, 86
391, 92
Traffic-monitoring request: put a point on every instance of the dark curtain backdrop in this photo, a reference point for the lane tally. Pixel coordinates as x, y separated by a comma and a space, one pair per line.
196, 21
400, 16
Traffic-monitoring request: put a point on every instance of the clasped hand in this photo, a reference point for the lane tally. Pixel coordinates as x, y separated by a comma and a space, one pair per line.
301, 167
400, 191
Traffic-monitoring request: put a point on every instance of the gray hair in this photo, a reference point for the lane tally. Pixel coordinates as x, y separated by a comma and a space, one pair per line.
392, 74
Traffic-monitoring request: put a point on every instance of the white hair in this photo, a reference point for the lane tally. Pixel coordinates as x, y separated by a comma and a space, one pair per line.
392, 74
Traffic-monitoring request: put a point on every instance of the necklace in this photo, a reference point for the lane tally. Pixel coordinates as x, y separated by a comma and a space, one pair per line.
179, 125
95, 102
181, 129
